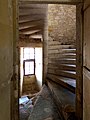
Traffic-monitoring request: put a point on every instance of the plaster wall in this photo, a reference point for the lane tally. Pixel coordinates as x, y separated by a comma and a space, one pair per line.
38, 66
6, 57
21, 69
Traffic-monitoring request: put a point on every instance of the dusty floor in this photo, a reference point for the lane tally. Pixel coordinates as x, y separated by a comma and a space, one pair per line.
44, 108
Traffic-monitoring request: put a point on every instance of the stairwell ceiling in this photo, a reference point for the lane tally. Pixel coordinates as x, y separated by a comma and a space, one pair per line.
31, 20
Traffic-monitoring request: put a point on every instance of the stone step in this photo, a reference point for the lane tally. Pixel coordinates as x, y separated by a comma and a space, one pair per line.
45, 108
62, 67
29, 24
65, 82
23, 12
65, 55
57, 45
62, 61
62, 51
64, 73
64, 99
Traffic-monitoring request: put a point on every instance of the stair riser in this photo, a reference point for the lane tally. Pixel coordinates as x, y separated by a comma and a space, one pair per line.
62, 56
62, 51
61, 67
62, 61
59, 101
55, 44
67, 86
62, 73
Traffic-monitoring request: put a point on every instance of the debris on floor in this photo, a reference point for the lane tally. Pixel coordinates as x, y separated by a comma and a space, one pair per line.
25, 107
39, 106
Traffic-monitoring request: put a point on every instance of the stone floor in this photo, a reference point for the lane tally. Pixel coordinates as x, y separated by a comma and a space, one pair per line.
44, 108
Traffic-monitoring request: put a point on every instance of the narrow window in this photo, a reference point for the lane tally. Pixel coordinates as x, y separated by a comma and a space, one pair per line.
29, 61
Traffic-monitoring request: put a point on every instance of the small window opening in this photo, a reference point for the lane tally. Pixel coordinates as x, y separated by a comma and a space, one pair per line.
29, 61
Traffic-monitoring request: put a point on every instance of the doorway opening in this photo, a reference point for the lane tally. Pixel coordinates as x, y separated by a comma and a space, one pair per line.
30, 78
30, 70
55, 58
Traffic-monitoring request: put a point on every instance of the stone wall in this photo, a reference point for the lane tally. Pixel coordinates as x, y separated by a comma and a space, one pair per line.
62, 23
30, 85
61, 35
